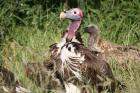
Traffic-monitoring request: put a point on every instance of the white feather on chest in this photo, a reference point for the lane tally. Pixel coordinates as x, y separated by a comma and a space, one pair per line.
66, 55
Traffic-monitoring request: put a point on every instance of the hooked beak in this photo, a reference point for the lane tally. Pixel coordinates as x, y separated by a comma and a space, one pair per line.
62, 15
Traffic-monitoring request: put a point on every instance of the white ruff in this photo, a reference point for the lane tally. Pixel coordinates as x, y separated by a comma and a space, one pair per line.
66, 57
70, 88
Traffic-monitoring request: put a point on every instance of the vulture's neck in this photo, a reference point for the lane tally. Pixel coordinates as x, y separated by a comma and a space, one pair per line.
74, 26
93, 41
72, 31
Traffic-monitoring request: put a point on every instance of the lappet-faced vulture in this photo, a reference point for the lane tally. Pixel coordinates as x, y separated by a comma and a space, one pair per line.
78, 63
42, 72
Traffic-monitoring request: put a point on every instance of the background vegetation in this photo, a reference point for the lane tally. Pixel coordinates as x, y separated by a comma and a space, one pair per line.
28, 27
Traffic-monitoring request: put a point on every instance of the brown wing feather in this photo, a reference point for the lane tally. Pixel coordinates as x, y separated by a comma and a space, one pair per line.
94, 68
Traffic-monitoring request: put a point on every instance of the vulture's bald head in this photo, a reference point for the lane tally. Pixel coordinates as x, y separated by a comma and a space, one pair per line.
73, 14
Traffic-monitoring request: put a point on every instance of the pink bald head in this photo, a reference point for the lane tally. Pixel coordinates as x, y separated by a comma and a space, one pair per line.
75, 15
72, 14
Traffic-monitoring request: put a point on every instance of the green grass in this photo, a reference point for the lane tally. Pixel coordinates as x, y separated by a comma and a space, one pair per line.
28, 38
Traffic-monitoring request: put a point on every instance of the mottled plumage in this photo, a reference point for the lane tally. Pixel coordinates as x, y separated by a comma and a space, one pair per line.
81, 65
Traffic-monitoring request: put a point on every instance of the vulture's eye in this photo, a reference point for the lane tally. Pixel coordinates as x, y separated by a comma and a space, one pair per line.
75, 12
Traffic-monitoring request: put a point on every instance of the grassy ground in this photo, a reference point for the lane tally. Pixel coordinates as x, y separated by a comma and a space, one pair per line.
28, 38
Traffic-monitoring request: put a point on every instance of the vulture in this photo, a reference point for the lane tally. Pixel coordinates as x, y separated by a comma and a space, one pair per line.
108, 50
78, 64
41, 73
9, 83
46, 73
